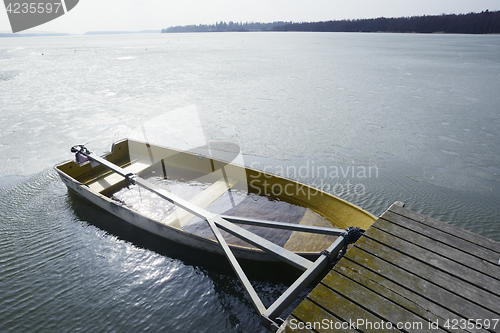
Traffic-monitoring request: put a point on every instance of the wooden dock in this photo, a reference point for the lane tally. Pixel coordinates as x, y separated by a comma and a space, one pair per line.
407, 273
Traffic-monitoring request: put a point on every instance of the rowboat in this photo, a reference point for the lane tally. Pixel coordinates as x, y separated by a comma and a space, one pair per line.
218, 187
212, 202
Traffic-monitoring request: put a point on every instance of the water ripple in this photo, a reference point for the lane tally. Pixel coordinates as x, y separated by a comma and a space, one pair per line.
60, 272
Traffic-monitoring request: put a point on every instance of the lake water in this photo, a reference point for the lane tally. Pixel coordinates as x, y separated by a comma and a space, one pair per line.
373, 118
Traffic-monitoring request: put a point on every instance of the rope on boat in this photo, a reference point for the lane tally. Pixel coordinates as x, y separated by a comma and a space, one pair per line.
351, 236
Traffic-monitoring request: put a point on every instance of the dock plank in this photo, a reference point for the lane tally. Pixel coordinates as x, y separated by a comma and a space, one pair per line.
405, 297
442, 249
443, 237
345, 309
428, 257
426, 275
451, 229
309, 313
387, 310
409, 268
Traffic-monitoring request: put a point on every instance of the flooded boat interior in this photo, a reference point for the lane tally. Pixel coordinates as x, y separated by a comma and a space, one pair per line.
224, 197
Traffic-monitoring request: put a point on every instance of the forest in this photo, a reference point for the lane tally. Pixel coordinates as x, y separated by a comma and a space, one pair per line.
485, 22
473, 23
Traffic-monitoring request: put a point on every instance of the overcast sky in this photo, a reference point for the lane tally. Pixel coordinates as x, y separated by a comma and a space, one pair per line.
135, 15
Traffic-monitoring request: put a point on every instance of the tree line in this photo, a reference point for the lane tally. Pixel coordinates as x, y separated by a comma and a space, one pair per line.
485, 22
223, 26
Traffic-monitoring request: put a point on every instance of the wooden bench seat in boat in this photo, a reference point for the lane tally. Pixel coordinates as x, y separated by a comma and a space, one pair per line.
113, 178
180, 216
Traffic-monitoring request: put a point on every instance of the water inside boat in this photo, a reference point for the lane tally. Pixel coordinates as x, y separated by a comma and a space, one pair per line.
224, 198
